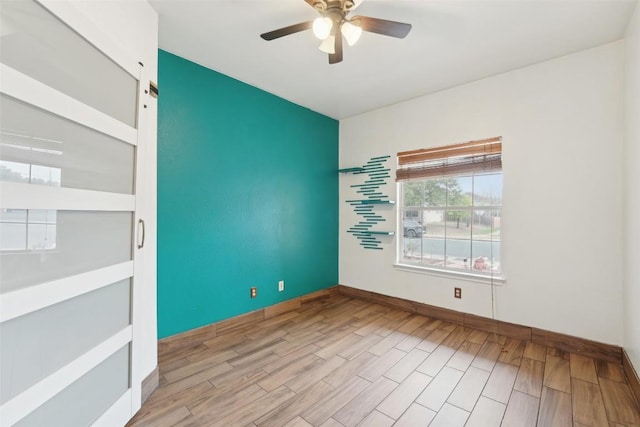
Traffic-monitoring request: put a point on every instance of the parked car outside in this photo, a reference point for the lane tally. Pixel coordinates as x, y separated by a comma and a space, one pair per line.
412, 228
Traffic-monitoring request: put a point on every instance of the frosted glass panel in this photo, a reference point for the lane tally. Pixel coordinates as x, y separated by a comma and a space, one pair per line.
37, 344
84, 241
13, 229
41, 148
85, 400
39, 45
22, 229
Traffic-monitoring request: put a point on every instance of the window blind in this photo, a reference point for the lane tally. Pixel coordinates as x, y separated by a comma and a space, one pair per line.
469, 157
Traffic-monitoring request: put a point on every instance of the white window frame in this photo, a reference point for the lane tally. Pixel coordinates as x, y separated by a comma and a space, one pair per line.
471, 160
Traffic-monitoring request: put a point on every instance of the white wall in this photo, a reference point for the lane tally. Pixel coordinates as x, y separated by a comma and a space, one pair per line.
562, 128
133, 25
632, 191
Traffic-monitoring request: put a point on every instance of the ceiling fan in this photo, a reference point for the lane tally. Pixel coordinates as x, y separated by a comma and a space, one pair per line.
333, 24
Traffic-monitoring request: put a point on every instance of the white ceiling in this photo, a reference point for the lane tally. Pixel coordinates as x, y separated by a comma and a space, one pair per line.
451, 43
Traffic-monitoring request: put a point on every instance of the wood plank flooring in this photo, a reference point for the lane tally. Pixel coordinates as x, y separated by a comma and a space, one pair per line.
346, 362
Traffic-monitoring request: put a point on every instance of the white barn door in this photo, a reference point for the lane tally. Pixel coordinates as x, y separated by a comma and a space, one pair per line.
71, 103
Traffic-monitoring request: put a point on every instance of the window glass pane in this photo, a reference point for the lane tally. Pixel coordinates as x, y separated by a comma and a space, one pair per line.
433, 255
75, 250
435, 192
486, 224
85, 400
487, 190
495, 265
39, 45
433, 242
63, 332
486, 256
458, 254
458, 224
411, 250
41, 148
458, 232
413, 193
496, 220
459, 191
486, 240
412, 230
412, 225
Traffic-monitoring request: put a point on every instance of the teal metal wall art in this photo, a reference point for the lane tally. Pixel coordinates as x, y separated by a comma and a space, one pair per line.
375, 175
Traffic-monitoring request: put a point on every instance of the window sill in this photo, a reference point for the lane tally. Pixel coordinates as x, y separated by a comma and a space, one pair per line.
470, 277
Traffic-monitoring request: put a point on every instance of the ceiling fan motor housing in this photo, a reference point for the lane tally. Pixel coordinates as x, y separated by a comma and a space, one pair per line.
344, 6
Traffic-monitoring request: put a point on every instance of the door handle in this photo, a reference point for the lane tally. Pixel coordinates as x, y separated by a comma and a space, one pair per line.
141, 227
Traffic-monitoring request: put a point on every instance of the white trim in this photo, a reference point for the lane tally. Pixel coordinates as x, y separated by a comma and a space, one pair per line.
31, 91
140, 254
80, 23
17, 195
450, 274
137, 320
118, 414
30, 399
24, 301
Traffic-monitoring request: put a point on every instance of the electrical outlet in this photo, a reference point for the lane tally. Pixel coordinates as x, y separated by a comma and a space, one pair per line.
253, 292
281, 286
457, 292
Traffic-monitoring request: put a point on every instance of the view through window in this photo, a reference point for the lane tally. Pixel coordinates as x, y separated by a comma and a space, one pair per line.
451, 208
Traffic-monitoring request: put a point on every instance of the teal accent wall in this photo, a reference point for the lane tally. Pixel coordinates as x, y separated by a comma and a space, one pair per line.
247, 196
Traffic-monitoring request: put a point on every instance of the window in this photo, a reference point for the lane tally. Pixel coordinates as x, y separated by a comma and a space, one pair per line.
451, 207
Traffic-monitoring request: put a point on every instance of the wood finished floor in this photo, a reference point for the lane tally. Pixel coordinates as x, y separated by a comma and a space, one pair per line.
346, 362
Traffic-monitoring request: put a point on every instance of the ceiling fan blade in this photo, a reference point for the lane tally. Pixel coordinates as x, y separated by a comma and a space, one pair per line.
384, 27
336, 57
285, 31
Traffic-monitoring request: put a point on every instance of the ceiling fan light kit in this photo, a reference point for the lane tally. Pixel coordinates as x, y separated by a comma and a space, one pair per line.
322, 27
351, 32
328, 45
332, 25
